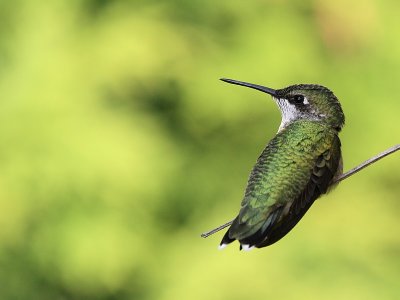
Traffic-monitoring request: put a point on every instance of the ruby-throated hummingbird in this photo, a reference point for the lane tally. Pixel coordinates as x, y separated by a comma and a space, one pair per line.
298, 165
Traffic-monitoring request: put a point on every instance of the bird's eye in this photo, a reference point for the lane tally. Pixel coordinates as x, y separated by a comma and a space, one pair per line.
298, 99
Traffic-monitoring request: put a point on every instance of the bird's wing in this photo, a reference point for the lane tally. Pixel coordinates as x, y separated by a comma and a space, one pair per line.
327, 166
282, 185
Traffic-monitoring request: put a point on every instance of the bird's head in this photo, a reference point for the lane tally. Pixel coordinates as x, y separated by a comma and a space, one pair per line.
303, 101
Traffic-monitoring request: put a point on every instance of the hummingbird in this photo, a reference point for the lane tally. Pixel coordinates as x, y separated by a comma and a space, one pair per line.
297, 166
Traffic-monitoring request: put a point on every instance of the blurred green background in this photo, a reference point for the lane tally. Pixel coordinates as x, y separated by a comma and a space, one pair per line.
119, 146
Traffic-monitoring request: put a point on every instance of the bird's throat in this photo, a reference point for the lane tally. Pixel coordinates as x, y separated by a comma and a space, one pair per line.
289, 112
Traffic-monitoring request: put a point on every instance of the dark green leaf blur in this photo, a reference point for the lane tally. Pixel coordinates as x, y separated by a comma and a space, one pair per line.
119, 146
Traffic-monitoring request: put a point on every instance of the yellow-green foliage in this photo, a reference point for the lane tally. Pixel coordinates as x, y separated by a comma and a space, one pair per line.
119, 146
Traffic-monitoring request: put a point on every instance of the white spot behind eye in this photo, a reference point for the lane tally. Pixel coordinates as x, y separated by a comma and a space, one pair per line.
305, 101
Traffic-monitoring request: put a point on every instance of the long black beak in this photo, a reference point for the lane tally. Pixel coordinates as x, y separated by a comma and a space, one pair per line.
261, 88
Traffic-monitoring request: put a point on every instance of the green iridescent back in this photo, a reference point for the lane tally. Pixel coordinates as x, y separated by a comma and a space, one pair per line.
296, 167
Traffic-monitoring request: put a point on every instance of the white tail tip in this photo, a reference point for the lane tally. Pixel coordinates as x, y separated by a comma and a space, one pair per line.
246, 247
222, 246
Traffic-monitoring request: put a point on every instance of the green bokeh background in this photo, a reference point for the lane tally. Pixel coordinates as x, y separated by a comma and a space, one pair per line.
119, 146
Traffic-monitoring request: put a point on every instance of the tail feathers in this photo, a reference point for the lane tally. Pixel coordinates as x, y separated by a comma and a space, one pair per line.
226, 240
245, 244
255, 239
